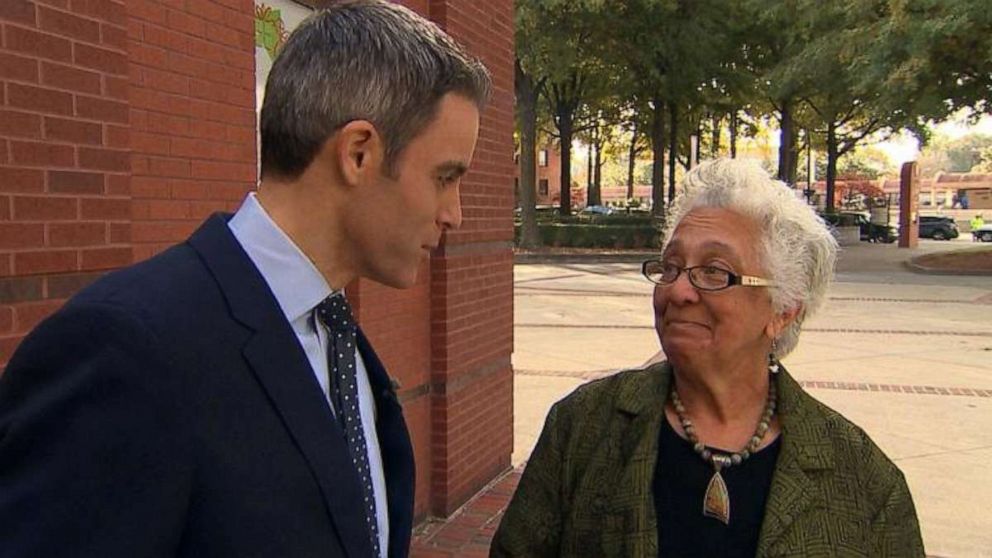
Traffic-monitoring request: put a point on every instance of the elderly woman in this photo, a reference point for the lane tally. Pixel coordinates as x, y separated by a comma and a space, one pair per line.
717, 451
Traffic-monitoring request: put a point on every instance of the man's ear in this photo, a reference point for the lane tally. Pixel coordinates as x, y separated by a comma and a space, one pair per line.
781, 321
358, 150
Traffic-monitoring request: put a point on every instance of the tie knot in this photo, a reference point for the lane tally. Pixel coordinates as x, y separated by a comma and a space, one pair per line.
335, 312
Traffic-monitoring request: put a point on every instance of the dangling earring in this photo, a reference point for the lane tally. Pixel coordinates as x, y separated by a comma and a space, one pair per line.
772, 361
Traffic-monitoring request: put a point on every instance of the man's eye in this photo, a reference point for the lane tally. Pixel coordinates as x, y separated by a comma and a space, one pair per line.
713, 270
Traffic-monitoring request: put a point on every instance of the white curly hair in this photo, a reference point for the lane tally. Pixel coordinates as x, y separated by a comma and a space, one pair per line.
797, 250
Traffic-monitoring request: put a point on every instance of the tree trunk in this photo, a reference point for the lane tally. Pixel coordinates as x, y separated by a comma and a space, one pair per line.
673, 146
832, 154
565, 128
786, 146
589, 167
733, 134
794, 161
658, 165
715, 138
596, 193
526, 94
631, 160
699, 144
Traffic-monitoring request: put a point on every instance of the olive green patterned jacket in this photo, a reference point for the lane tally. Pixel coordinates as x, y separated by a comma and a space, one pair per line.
586, 490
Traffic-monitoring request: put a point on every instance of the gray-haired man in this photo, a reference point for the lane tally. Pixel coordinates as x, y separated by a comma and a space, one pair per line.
218, 400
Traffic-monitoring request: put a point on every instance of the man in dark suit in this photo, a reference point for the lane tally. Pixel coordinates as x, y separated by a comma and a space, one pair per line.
217, 399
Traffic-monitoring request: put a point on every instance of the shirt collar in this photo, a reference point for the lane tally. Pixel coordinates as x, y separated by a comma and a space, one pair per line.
294, 280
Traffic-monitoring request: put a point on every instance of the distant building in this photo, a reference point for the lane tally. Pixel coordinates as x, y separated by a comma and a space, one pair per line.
548, 166
945, 190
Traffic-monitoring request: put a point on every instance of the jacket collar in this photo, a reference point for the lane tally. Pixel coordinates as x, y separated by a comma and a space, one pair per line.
803, 432
805, 449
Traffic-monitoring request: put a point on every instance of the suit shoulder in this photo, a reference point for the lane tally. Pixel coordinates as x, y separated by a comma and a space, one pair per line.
178, 268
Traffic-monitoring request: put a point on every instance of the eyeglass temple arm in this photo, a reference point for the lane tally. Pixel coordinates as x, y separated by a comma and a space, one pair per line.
752, 281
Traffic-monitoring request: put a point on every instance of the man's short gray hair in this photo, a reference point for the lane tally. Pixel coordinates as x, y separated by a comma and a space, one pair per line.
797, 249
361, 60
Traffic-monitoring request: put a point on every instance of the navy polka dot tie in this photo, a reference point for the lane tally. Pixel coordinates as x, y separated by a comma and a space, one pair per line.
335, 312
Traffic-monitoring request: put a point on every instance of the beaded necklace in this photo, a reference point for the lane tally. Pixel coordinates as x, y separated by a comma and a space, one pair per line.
716, 502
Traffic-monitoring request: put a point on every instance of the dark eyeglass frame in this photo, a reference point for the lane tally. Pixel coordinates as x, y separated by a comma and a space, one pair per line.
733, 279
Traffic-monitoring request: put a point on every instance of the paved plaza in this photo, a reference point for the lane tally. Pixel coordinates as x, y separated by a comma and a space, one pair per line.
906, 356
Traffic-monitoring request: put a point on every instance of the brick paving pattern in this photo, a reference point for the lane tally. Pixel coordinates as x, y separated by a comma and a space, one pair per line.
468, 532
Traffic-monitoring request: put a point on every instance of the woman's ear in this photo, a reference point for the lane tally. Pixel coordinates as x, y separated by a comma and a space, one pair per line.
781, 321
358, 151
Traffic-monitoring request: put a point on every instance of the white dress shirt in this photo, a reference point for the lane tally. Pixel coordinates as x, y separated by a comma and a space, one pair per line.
298, 288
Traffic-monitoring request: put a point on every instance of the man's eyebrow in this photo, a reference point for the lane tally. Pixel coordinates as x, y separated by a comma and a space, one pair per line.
456, 168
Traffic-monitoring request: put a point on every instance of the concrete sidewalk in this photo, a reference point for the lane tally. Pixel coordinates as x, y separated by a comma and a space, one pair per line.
906, 356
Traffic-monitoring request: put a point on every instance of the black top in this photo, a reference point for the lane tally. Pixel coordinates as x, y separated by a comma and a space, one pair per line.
680, 482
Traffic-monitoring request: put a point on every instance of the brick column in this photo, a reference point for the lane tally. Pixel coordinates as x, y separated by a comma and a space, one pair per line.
909, 188
472, 282
64, 187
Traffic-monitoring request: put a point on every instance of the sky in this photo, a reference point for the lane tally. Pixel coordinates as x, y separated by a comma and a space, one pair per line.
904, 147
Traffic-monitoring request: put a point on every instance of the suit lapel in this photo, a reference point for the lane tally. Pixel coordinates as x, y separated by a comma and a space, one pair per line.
396, 449
806, 449
279, 363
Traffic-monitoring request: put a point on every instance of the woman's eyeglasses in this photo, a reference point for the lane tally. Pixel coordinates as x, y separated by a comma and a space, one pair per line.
703, 277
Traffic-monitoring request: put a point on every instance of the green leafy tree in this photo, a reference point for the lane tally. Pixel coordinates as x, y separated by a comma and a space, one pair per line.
526, 91
935, 57
529, 79
984, 161
848, 109
777, 33
672, 50
963, 154
568, 35
603, 115
864, 163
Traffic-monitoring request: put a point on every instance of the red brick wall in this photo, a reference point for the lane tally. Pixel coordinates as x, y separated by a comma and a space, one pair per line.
192, 77
471, 281
398, 324
108, 156
64, 164
122, 127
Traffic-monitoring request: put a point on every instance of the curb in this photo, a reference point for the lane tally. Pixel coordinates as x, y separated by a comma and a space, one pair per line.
911, 265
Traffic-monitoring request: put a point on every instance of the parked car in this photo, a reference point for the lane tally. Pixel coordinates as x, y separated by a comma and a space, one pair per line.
869, 232
938, 228
597, 210
984, 233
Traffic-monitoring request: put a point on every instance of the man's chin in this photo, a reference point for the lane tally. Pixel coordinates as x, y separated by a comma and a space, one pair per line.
398, 279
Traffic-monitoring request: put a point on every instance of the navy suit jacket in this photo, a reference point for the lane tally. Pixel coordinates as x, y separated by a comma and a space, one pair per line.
169, 410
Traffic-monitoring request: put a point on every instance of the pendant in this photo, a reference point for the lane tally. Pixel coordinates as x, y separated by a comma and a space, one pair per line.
716, 503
